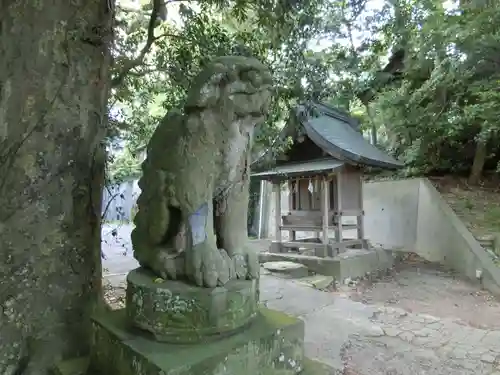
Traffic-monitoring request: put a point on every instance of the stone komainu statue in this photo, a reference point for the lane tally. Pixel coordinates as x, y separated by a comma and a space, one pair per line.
192, 212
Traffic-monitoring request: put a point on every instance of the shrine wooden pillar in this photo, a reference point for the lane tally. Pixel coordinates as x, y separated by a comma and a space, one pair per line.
277, 200
338, 208
325, 209
293, 200
361, 215
318, 189
325, 195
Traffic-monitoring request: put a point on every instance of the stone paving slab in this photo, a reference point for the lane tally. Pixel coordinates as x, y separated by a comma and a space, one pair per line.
286, 269
341, 333
423, 344
329, 320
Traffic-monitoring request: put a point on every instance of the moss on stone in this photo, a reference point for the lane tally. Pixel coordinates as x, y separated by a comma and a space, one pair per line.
79, 366
314, 367
76, 366
277, 317
177, 312
265, 348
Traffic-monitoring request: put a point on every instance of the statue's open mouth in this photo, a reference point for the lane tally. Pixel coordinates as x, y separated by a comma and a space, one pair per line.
246, 82
254, 105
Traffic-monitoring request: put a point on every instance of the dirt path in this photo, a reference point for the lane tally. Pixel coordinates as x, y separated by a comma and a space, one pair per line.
423, 288
432, 322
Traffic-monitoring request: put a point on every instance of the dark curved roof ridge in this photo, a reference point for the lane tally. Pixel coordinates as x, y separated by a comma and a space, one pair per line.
337, 133
332, 112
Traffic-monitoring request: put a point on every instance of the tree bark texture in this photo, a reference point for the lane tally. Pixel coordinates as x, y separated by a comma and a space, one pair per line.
54, 64
478, 163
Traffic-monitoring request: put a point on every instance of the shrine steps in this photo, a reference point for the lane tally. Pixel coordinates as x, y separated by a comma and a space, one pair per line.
353, 263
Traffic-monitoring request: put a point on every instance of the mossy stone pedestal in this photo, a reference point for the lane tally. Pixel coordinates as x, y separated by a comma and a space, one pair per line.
172, 328
176, 312
271, 345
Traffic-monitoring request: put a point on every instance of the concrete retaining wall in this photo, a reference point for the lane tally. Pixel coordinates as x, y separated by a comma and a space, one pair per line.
442, 237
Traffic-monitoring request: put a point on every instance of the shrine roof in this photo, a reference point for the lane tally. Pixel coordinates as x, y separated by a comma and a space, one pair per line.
337, 134
301, 169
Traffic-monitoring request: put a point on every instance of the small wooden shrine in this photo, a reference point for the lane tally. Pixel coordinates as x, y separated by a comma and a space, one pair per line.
323, 171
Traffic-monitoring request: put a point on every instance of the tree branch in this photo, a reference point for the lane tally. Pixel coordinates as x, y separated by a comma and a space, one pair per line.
105, 211
143, 72
131, 64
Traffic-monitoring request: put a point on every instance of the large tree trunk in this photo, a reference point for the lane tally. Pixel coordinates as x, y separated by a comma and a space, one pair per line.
54, 61
478, 163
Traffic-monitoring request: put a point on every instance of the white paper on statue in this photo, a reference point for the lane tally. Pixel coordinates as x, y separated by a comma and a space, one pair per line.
198, 223
310, 187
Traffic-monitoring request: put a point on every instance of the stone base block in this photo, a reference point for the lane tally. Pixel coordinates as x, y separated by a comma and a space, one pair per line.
275, 247
313, 367
80, 366
358, 262
287, 269
173, 311
271, 345
74, 366
351, 264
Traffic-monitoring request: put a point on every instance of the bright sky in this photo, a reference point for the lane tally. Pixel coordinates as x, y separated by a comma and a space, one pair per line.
371, 5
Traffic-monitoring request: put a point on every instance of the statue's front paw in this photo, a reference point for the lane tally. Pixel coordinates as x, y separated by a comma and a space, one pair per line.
208, 266
246, 264
168, 265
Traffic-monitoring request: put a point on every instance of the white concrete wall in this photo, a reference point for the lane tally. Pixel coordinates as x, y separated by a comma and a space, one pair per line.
442, 237
391, 209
